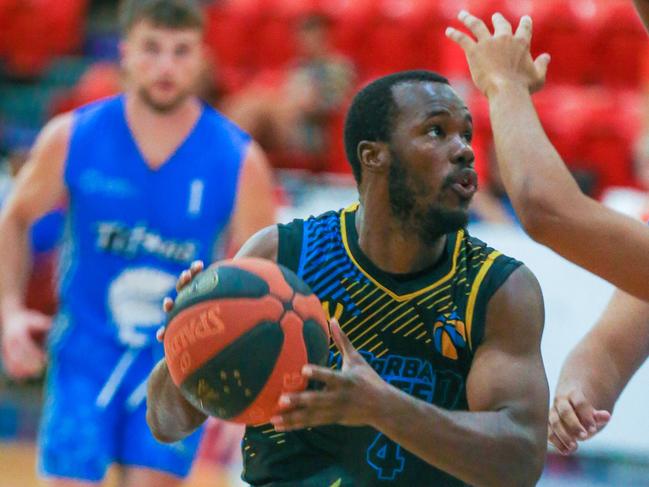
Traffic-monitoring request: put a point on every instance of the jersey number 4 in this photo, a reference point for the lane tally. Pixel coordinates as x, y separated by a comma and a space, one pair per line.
385, 456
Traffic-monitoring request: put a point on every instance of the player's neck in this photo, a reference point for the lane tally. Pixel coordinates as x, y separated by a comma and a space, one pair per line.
158, 135
392, 248
139, 112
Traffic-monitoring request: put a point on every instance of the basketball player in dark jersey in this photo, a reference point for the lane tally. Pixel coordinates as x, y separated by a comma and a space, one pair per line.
436, 375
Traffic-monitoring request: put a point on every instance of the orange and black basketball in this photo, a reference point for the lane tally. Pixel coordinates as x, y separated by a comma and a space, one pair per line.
239, 335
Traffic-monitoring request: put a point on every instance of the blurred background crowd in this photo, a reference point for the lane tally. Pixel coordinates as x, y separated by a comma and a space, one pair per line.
285, 70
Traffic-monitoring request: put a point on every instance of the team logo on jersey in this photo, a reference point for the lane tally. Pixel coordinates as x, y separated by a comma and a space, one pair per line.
449, 335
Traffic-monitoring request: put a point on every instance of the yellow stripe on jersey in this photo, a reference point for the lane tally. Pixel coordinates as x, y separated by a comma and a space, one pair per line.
475, 289
392, 294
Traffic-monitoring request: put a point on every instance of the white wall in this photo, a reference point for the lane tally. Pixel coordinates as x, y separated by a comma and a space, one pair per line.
574, 300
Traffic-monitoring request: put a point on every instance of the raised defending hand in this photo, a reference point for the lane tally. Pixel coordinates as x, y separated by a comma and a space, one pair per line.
573, 418
351, 396
502, 58
185, 278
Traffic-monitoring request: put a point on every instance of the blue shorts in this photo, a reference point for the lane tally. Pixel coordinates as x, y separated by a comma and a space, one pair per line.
94, 412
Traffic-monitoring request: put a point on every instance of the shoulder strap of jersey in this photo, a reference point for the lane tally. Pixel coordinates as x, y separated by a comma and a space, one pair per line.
493, 273
289, 245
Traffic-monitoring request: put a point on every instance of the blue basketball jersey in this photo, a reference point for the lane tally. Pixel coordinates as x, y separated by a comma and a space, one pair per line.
131, 229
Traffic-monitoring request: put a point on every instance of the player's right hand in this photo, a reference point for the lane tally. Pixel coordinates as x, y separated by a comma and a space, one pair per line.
185, 278
23, 335
573, 418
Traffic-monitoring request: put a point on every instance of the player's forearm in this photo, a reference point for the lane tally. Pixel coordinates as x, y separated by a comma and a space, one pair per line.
537, 181
16, 263
591, 369
480, 448
169, 416
604, 361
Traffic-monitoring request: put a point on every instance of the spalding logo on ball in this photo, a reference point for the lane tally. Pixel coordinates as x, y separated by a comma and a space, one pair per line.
239, 335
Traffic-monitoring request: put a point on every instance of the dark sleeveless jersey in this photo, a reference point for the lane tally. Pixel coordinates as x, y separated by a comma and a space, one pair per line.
419, 332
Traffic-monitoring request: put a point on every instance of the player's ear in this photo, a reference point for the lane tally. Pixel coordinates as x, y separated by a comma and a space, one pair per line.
374, 156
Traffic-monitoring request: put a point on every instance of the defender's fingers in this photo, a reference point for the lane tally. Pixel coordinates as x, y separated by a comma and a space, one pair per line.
542, 62
560, 431
475, 25
525, 27
460, 38
501, 25
571, 420
602, 417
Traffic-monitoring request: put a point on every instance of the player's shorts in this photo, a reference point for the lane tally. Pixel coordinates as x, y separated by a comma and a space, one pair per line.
94, 412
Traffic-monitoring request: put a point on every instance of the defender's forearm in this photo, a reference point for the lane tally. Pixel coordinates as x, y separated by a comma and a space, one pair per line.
169, 416
592, 369
536, 179
480, 448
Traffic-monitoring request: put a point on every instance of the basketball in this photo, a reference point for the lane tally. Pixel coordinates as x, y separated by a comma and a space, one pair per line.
239, 335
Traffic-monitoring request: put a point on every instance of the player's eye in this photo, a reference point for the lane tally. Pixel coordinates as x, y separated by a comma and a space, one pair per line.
182, 50
151, 48
468, 135
436, 131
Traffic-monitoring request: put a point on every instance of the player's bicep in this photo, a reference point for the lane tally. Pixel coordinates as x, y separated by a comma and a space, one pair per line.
39, 186
507, 372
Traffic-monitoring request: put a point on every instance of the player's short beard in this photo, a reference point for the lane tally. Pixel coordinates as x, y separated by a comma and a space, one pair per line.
162, 108
430, 221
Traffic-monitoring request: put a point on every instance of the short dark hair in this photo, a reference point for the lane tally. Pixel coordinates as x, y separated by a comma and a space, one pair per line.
372, 111
172, 14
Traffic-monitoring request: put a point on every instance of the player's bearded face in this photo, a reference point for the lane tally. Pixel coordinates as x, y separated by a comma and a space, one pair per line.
419, 207
163, 65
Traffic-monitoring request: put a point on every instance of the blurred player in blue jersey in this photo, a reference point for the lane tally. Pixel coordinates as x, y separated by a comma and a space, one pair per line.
154, 179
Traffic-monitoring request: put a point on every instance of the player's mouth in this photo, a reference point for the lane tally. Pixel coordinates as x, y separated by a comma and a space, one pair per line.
465, 183
165, 85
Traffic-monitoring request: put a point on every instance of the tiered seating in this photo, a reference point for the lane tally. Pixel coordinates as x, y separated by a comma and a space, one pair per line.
598, 43
35, 31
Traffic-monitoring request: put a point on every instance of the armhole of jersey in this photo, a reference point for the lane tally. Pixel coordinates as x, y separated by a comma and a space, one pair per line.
495, 270
290, 245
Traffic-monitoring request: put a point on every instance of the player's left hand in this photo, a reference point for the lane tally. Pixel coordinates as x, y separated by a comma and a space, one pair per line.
185, 278
501, 58
351, 396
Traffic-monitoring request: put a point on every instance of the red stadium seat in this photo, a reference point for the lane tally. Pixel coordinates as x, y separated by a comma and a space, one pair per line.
620, 39
37, 30
604, 139
561, 30
350, 23
390, 42
230, 33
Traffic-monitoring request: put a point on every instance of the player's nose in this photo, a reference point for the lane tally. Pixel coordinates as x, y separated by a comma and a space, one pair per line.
462, 153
